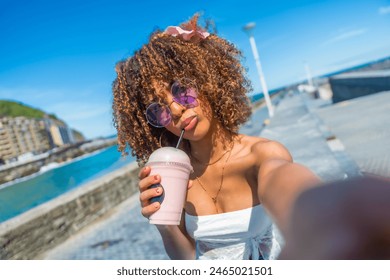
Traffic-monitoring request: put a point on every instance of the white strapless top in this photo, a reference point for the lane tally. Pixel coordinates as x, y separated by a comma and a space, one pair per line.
242, 234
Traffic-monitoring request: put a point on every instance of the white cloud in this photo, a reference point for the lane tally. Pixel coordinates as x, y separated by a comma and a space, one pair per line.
75, 111
92, 119
384, 10
345, 36
34, 97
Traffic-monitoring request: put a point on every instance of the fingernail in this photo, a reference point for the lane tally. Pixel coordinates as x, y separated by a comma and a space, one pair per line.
158, 190
156, 205
156, 177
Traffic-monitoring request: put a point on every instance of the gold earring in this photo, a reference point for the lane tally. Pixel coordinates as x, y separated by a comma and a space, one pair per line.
159, 140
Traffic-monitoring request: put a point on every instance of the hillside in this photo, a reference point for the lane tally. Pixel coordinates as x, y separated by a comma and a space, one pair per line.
17, 109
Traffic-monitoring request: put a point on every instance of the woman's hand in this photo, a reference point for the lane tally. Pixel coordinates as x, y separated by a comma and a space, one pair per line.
147, 193
342, 220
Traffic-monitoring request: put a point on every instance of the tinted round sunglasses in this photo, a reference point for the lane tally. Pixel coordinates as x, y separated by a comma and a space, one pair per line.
159, 115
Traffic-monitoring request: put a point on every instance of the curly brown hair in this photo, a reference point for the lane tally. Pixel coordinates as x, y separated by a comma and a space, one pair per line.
213, 64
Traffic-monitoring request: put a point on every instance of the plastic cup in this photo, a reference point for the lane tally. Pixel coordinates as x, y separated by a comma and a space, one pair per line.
174, 167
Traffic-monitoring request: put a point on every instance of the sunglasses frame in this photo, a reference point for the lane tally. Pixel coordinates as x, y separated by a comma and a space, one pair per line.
165, 108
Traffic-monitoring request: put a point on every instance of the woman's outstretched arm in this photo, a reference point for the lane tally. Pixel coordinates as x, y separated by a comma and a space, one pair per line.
346, 220
280, 181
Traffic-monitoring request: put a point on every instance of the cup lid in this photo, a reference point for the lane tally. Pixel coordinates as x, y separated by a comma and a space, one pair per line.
170, 155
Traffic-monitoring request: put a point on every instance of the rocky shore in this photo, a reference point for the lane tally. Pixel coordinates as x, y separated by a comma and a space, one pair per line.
12, 172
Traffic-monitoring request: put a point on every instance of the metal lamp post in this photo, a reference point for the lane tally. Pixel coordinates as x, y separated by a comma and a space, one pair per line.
248, 29
309, 76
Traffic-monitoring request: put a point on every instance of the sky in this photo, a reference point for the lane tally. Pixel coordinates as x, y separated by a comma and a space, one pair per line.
59, 56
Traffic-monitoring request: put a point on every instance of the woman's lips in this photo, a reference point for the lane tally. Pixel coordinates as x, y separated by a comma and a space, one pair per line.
190, 123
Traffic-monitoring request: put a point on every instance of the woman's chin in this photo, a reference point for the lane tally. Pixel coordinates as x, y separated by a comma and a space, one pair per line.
196, 134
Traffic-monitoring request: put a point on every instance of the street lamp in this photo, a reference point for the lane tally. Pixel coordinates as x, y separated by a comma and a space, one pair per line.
308, 74
249, 30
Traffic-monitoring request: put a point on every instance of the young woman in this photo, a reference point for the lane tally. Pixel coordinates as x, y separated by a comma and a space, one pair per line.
186, 78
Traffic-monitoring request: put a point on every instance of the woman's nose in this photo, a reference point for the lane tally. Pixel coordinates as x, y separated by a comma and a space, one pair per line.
177, 109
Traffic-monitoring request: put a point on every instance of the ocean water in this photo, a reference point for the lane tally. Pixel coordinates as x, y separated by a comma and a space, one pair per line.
24, 195
256, 97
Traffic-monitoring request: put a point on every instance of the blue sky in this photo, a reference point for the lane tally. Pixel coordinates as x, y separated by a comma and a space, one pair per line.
59, 56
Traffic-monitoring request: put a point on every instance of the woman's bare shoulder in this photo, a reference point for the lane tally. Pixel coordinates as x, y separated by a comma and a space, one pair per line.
265, 149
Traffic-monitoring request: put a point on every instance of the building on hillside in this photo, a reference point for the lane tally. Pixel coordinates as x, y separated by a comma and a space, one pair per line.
20, 136
60, 133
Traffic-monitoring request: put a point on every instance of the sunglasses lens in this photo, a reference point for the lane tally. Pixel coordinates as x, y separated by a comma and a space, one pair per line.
184, 96
157, 115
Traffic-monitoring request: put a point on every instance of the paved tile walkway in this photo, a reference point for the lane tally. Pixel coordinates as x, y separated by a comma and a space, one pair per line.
363, 126
298, 127
122, 234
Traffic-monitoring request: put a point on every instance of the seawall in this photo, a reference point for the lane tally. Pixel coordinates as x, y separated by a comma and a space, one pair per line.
45, 226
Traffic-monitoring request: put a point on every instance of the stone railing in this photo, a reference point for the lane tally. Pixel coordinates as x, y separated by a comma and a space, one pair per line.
41, 228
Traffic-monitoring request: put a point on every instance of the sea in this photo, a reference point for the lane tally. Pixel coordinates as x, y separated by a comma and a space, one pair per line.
54, 179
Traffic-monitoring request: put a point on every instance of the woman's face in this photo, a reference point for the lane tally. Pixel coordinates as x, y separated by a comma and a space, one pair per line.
195, 121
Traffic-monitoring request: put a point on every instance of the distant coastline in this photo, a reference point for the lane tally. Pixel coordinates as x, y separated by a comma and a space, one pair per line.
10, 174
51, 166
378, 64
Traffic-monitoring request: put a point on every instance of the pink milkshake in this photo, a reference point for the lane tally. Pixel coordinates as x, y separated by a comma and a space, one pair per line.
174, 167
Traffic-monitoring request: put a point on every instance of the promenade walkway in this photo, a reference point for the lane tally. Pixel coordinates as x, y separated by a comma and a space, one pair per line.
363, 127
335, 141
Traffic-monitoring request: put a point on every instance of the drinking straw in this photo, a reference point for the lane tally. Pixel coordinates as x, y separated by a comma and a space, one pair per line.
181, 137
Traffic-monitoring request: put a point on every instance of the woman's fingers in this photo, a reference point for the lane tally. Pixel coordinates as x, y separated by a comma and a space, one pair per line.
150, 209
144, 172
146, 182
149, 193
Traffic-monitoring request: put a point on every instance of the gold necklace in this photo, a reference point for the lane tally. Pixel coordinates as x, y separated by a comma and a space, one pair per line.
214, 199
211, 163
